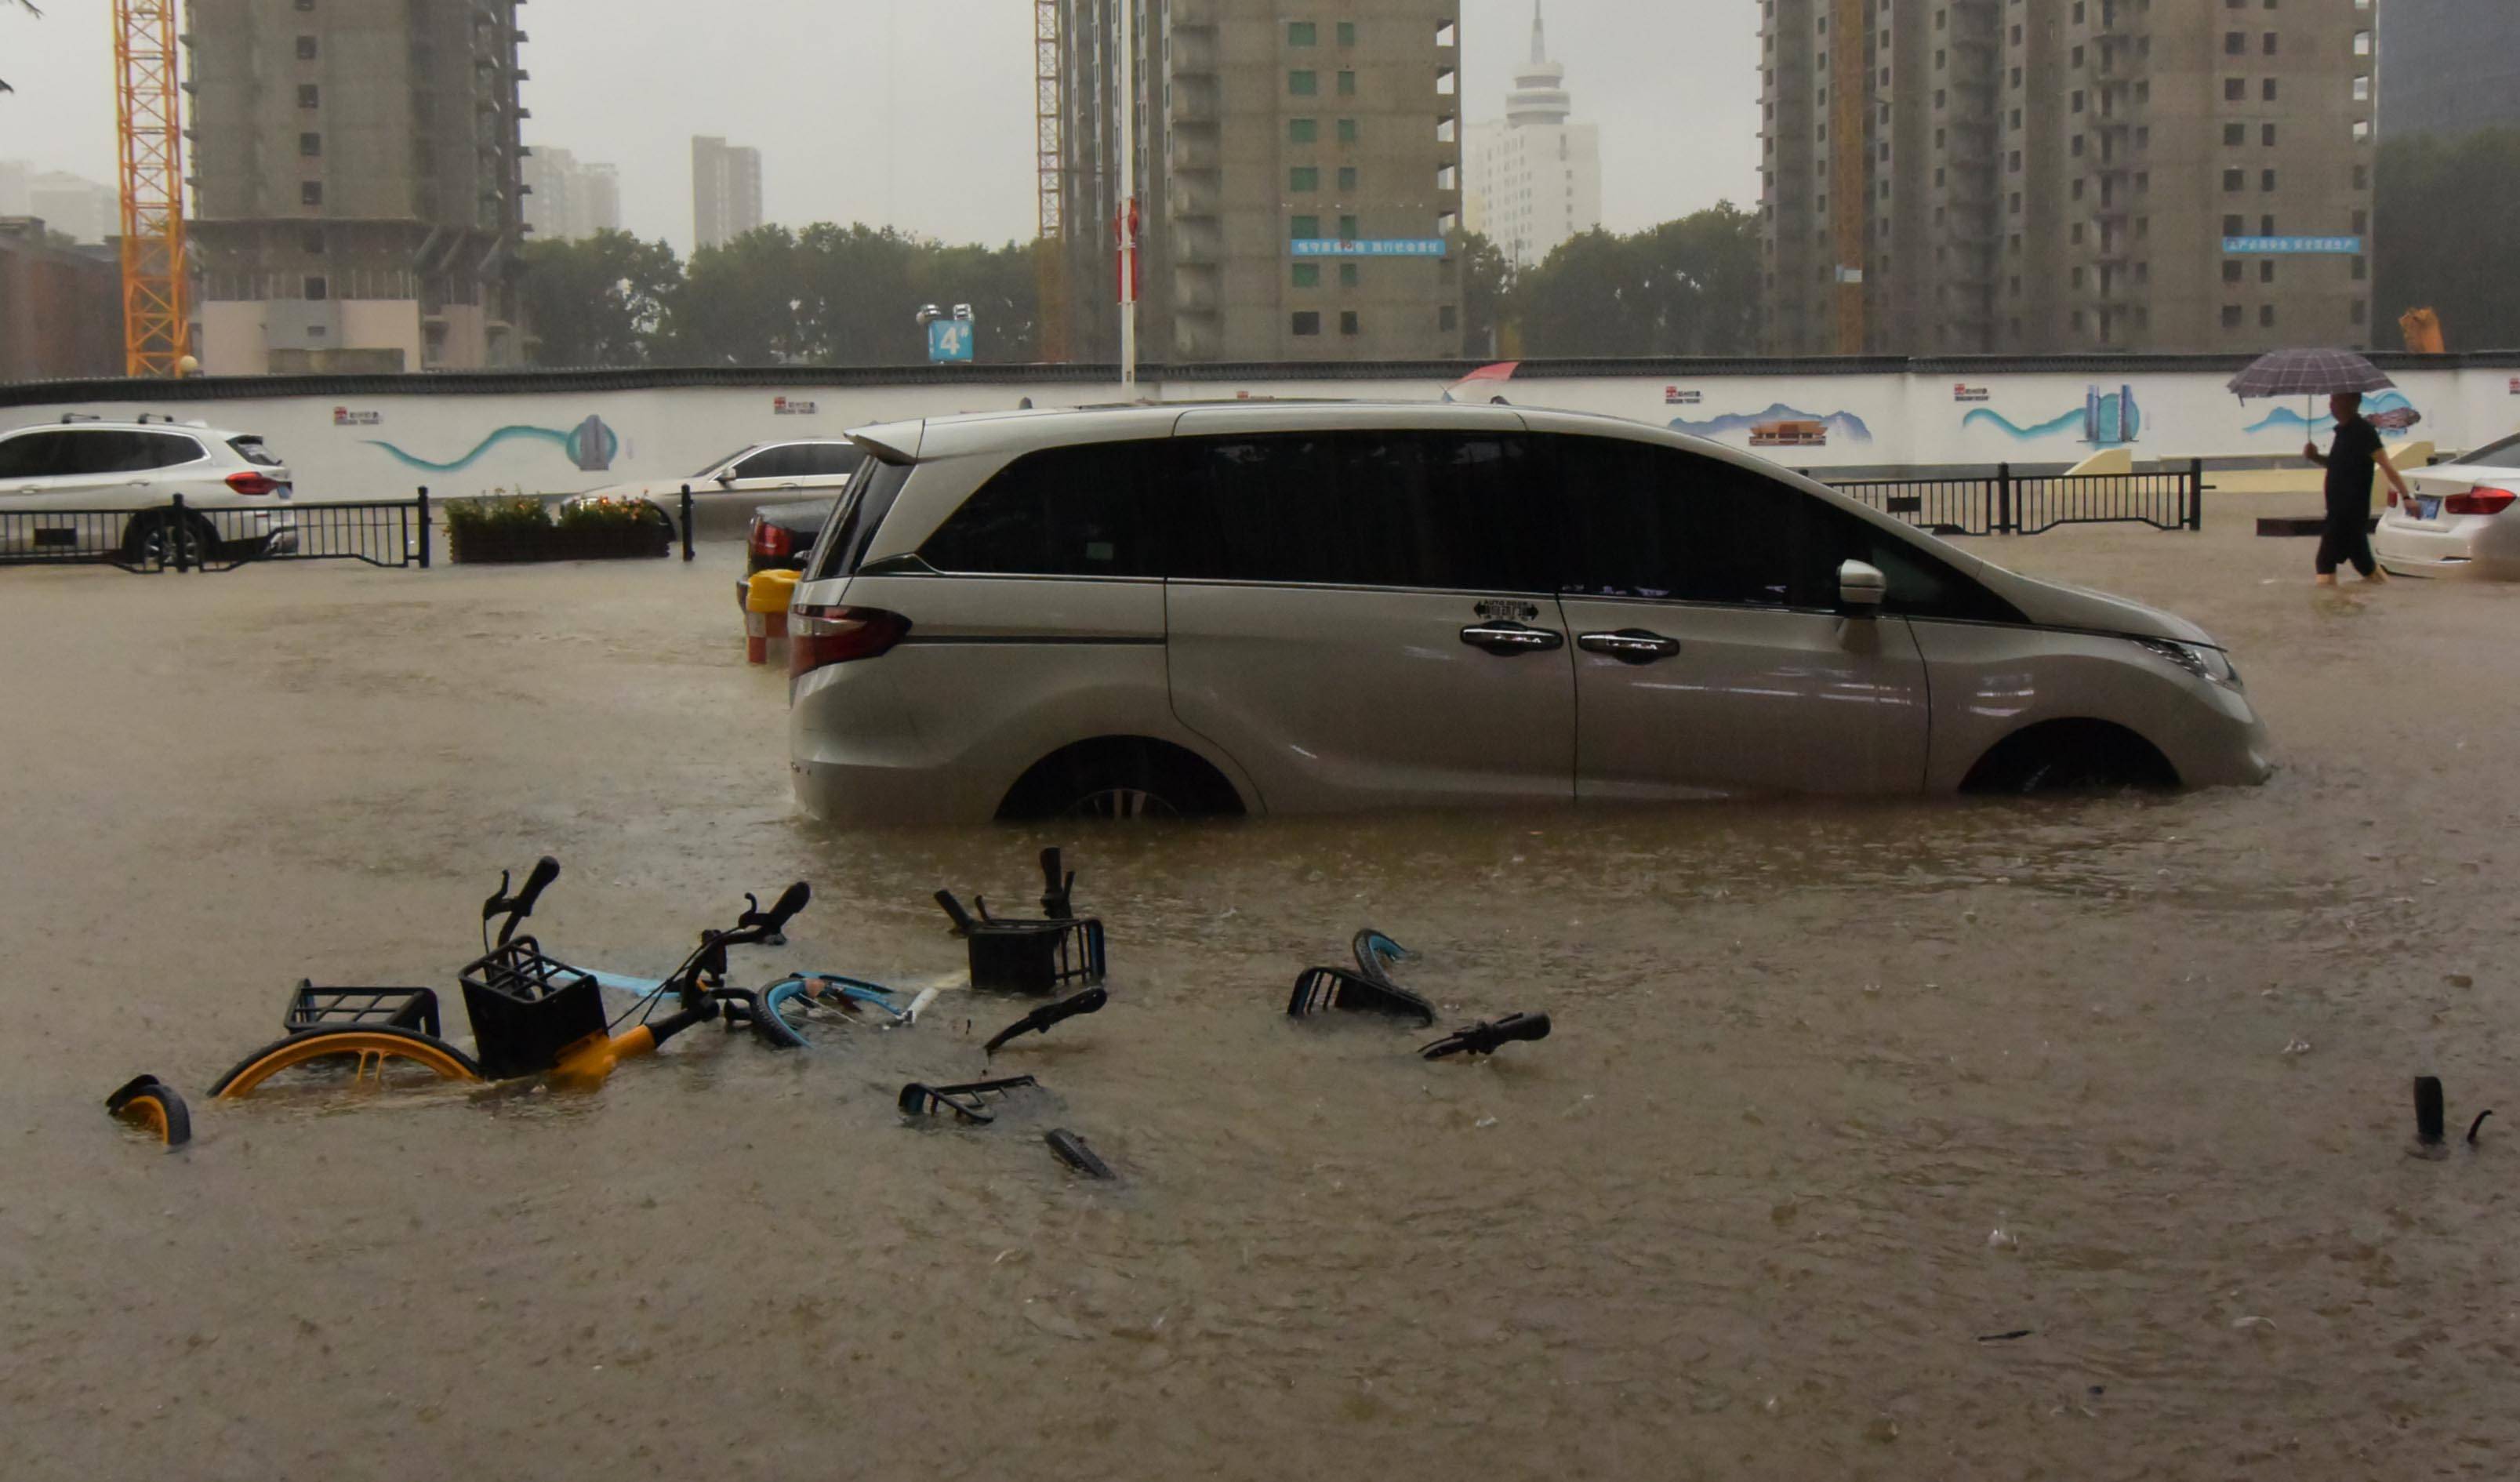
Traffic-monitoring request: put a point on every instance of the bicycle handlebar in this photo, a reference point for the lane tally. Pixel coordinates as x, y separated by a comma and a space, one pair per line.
774, 920
521, 905
1487, 1035
752, 925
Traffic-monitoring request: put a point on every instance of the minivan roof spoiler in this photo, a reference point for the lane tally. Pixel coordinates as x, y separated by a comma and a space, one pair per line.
895, 442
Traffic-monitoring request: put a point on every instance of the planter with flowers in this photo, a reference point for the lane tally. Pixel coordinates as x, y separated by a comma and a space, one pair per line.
513, 528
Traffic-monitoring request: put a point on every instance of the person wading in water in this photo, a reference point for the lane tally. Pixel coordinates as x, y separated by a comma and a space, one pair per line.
2350, 462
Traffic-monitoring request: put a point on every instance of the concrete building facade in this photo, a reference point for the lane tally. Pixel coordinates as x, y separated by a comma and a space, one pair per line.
74, 206
1298, 171
356, 183
1535, 179
1992, 176
2449, 66
566, 198
61, 306
726, 191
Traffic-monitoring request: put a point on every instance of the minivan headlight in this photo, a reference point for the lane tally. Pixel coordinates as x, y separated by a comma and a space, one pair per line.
2211, 664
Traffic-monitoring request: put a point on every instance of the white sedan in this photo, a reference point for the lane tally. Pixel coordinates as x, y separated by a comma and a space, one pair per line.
726, 492
2458, 520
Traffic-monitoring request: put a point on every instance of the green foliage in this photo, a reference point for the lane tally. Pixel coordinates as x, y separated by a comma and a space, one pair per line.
845, 295
598, 301
1487, 284
497, 513
1688, 287
604, 514
2443, 216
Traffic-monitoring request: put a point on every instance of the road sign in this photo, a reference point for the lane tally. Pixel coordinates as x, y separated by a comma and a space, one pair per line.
951, 340
2254, 247
1385, 247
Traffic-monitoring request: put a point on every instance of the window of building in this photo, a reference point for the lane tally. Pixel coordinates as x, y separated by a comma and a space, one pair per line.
2230, 316
1347, 84
310, 144
1347, 177
312, 242
1302, 84
2075, 278
1350, 274
2075, 190
1349, 231
2267, 135
309, 95
316, 289
2362, 310
305, 47
2266, 180
2077, 235
2269, 47
1304, 178
2076, 148
2235, 226
2362, 89
1300, 33
1347, 33
1308, 275
2235, 180
2267, 226
2078, 100
2362, 130
2075, 321
2361, 269
2235, 43
2362, 43
310, 193
1347, 131
2235, 134
1307, 322
2266, 90
2266, 270
1304, 228
1349, 323
2265, 316
2361, 221
1303, 130
2362, 177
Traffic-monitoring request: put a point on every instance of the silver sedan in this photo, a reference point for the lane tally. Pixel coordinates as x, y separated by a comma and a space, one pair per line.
2459, 520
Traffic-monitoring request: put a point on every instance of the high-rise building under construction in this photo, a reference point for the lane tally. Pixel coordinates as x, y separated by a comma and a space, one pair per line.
2039, 177
355, 174
1298, 170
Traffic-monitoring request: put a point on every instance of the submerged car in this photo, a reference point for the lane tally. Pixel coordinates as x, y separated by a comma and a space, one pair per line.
2457, 520
778, 538
86, 488
725, 491
1314, 608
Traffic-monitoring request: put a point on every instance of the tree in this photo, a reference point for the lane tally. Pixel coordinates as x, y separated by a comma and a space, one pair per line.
741, 303
2443, 217
1685, 287
1487, 292
598, 301
28, 5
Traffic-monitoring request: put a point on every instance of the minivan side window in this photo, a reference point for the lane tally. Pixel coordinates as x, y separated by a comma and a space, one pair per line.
859, 512
1435, 510
1085, 509
1645, 521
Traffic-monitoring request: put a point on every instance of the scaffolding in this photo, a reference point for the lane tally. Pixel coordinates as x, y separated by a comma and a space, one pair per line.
1050, 266
157, 324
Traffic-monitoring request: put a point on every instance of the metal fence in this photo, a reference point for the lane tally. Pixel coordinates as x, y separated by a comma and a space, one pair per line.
182, 537
2006, 503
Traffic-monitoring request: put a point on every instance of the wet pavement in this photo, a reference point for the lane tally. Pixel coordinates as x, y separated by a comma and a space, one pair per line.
1736, 1218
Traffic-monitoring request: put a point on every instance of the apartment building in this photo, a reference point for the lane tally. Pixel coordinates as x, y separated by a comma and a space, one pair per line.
567, 197
1298, 174
1535, 178
726, 191
2045, 177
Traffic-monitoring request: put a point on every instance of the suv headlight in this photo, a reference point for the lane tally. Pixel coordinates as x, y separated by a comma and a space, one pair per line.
2209, 664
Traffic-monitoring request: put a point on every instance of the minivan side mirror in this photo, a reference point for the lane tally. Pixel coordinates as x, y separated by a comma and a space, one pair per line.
1861, 589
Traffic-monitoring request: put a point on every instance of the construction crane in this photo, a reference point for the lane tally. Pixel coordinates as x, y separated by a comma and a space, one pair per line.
156, 322
1049, 261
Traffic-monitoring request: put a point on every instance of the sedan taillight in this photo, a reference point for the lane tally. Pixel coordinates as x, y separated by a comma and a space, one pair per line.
771, 541
818, 636
2481, 500
253, 484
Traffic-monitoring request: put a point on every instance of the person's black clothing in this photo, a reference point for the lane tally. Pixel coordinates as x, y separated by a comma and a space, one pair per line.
2350, 468
2347, 536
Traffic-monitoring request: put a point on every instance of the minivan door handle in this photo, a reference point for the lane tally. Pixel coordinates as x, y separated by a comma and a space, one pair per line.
1630, 645
1511, 638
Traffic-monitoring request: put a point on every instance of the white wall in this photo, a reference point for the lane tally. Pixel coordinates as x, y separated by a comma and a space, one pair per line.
561, 441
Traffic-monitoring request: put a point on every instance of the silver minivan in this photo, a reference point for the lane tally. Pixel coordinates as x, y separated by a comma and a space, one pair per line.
1249, 606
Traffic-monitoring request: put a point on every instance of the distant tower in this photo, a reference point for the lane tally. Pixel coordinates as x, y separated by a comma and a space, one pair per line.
1535, 179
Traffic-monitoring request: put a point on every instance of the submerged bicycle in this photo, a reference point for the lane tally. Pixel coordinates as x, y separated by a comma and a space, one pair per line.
531, 1014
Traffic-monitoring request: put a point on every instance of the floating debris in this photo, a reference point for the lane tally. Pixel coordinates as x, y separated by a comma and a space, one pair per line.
1071, 1150
1040, 1020
1487, 1036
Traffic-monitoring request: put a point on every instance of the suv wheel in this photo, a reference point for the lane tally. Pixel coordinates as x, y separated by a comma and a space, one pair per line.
1123, 779
158, 540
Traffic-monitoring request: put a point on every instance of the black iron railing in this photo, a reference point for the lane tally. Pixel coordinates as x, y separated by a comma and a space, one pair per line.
2006, 503
186, 537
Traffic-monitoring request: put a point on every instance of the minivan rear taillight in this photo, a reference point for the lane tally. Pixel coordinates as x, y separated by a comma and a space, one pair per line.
771, 541
818, 635
2481, 500
253, 484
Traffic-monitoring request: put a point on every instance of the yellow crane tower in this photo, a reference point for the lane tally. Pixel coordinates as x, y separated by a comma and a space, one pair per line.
156, 322
1049, 261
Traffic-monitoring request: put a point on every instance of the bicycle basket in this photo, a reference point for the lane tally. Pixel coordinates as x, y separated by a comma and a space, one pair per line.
1023, 956
527, 1007
1321, 990
314, 1007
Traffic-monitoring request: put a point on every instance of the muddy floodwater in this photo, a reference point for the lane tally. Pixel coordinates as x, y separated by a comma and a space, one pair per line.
1738, 1217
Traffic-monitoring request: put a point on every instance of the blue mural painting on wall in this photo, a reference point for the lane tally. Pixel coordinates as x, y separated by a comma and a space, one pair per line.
2105, 420
2389, 411
591, 445
1779, 425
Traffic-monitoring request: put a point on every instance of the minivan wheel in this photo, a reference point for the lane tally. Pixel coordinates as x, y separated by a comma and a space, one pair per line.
2072, 756
1124, 779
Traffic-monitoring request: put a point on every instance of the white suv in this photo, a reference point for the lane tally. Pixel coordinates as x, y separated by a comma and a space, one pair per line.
89, 488
1305, 608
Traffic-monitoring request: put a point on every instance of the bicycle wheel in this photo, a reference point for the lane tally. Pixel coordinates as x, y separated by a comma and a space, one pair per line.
151, 1105
772, 1024
370, 1055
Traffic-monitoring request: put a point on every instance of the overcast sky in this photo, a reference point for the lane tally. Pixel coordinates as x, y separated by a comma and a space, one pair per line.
918, 112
